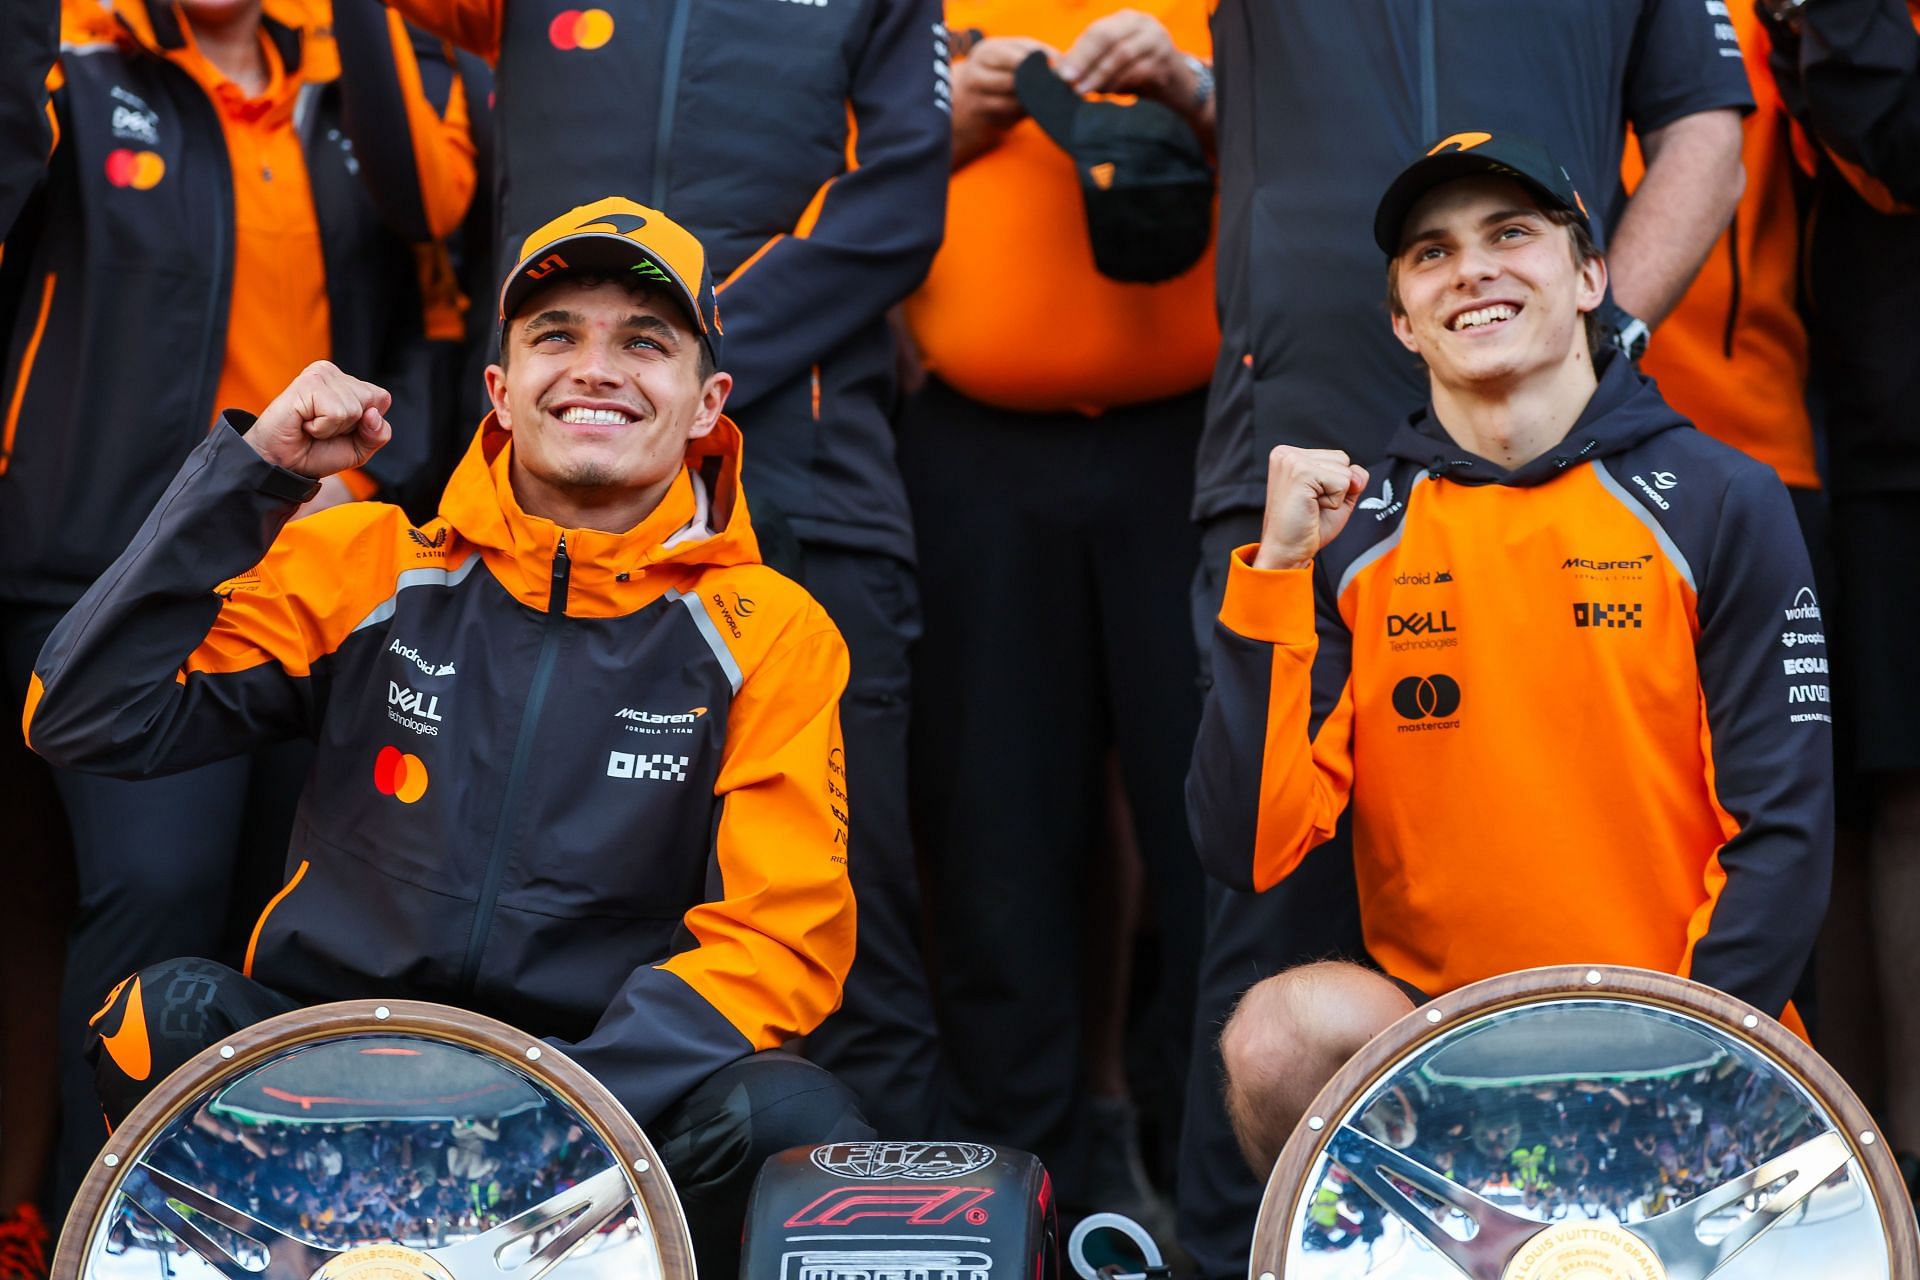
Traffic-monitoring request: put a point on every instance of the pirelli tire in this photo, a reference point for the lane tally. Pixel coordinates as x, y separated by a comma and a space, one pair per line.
930, 1210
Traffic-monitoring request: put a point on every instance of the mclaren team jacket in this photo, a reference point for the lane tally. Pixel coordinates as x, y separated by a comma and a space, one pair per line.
588, 783
118, 262
806, 144
1579, 710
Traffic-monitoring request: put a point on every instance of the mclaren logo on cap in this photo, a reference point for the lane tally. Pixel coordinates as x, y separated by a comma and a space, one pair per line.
1461, 142
623, 223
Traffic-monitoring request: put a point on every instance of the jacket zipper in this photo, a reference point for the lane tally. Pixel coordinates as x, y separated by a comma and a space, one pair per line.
669, 95
1733, 266
556, 618
25, 371
1429, 87
214, 314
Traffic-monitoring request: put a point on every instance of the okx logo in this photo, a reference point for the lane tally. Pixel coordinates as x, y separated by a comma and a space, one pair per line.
400, 775
580, 28
1429, 699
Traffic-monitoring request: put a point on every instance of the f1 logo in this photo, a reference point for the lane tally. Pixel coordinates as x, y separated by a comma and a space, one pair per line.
920, 1206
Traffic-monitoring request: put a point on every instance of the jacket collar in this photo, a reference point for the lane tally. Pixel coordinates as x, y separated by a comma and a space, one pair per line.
158, 27
1625, 409
701, 523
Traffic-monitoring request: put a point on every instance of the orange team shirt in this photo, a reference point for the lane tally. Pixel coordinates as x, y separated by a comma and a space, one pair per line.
1733, 355
277, 315
1013, 312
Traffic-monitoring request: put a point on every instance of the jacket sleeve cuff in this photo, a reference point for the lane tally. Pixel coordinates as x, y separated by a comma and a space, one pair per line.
275, 482
1271, 605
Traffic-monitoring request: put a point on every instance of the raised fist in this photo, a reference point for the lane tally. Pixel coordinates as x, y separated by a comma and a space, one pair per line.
1310, 495
324, 422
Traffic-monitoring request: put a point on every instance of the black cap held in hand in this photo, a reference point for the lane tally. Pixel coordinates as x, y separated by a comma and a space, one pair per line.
1144, 179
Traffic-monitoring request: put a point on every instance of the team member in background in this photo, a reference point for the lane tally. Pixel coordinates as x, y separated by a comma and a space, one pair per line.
198, 222
1319, 106
806, 145
1049, 457
1850, 72
607, 801
1555, 616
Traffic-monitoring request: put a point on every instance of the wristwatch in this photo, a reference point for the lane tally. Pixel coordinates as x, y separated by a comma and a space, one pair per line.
1627, 332
1202, 83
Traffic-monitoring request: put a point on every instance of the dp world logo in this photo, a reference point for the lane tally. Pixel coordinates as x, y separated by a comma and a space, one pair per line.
1426, 697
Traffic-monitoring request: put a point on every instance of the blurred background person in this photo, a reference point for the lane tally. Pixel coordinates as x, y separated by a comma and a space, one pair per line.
806, 146
194, 232
1067, 332
1849, 70
1318, 106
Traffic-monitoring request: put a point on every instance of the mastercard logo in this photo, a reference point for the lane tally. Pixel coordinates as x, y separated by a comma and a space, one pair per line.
580, 28
140, 170
397, 774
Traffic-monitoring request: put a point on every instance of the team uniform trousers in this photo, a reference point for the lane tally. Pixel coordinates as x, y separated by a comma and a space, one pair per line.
1314, 914
162, 867
1054, 550
713, 1139
882, 1042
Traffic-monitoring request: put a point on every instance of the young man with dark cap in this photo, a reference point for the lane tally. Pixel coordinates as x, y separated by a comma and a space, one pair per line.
1558, 648
576, 742
1319, 104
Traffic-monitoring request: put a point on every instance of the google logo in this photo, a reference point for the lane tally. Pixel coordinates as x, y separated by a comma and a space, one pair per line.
140, 170
580, 28
402, 776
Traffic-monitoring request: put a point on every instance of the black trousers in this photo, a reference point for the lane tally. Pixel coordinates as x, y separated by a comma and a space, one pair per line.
1314, 914
712, 1140
1055, 554
882, 1042
163, 867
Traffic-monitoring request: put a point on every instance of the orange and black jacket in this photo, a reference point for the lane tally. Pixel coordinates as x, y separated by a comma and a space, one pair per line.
1579, 709
114, 295
807, 145
589, 783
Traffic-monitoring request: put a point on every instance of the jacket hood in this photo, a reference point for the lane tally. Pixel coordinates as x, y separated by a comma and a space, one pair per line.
1626, 409
701, 523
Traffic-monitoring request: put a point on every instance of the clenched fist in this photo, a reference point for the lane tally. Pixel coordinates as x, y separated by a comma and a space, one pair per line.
324, 422
1310, 495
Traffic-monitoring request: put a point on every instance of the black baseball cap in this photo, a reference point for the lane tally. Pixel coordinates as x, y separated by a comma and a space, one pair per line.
1472, 155
1144, 180
616, 235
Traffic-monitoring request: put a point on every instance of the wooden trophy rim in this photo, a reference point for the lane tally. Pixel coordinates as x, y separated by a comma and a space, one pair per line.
251, 1046
1280, 1205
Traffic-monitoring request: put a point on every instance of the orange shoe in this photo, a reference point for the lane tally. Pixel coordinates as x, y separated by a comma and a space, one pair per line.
23, 1245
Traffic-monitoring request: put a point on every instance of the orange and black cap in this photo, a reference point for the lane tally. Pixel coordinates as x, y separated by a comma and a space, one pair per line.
1473, 155
616, 235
